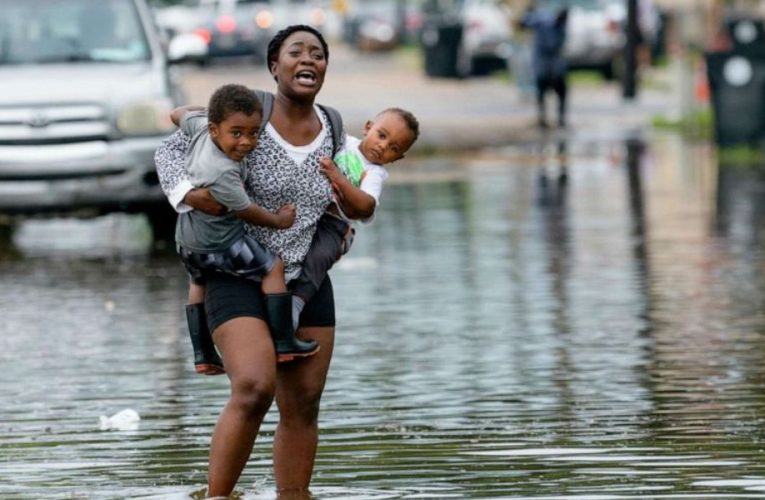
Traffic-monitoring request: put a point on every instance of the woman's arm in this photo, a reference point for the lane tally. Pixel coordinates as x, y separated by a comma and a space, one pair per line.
259, 216
177, 114
355, 203
170, 163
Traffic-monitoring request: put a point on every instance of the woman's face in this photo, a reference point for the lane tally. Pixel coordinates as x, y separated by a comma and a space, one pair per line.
301, 65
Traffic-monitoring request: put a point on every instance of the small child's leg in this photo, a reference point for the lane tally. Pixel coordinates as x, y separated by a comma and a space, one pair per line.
280, 306
206, 358
196, 293
273, 281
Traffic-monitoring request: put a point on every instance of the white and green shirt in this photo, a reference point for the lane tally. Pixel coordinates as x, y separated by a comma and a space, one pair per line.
365, 175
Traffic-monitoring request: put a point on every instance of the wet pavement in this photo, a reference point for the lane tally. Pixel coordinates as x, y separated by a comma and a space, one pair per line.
578, 319
454, 114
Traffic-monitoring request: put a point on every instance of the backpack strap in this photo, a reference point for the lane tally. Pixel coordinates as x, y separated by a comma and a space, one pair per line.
267, 101
335, 120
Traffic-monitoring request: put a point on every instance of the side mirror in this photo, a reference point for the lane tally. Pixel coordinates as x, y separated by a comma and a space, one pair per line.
186, 47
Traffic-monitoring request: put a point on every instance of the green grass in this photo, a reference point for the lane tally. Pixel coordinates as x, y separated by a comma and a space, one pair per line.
585, 77
741, 156
696, 125
409, 57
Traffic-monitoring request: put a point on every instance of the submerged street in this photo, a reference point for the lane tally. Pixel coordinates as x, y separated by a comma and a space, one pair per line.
561, 318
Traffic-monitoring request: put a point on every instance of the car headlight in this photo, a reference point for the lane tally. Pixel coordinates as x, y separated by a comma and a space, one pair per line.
150, 117
264, 19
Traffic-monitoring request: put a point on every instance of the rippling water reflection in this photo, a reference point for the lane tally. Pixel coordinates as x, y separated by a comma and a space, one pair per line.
528, 323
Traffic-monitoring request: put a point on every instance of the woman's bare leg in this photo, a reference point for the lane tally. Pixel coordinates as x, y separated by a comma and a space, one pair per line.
248, 354
299, 386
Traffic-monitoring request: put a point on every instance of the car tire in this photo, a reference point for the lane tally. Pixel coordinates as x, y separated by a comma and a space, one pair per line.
607, 71
162, 220
614, 69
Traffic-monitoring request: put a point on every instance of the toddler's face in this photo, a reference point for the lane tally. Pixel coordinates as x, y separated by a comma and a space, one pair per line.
237, 134
386, 139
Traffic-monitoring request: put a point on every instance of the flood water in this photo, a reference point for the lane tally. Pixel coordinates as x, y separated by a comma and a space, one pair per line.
581, 320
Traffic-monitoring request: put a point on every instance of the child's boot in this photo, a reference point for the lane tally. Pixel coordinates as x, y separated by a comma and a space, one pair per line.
288, 347
206, 359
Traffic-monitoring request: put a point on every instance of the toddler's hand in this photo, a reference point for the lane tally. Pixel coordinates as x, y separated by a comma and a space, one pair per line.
329, 169
285, 216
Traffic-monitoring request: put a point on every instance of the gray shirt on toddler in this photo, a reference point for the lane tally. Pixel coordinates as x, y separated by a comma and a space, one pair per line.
208, 167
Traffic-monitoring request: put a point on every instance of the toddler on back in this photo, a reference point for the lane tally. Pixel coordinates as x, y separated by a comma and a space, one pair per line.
357, 176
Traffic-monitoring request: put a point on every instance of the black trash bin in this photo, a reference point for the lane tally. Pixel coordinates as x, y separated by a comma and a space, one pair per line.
441, 39
737, 82
745, 32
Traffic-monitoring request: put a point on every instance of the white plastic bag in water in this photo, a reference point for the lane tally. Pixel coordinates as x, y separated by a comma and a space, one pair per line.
125, 420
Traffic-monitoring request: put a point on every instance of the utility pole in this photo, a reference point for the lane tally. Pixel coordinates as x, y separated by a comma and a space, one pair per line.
629, 90
401, 21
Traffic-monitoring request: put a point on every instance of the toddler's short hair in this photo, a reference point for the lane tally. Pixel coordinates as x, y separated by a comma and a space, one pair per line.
411, 121
232, 98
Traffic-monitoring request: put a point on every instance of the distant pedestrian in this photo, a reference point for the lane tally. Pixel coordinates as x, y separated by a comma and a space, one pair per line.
550, 70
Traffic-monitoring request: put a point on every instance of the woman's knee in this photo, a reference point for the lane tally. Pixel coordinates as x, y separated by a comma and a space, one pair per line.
303, 410
252, 396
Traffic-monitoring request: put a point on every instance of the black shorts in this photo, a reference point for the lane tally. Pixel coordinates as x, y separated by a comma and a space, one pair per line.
228, 297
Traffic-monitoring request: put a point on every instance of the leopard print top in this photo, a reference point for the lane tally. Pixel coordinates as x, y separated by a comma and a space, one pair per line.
272, 178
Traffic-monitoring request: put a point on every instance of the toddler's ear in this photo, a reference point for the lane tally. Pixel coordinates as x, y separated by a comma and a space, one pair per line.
368, 126
212, 129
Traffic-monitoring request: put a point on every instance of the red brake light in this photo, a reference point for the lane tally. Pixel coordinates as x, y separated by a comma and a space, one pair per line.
225, 24
204, 35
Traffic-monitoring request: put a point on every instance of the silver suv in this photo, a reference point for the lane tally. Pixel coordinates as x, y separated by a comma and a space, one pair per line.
85, 101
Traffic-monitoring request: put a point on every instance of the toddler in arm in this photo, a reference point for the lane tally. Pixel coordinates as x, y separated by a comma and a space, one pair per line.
357, 175
221, 137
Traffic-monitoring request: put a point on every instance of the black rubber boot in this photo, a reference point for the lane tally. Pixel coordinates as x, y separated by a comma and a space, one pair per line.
206, 359
288, 347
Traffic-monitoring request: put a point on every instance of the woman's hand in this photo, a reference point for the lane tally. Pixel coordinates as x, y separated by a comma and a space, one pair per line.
201, 199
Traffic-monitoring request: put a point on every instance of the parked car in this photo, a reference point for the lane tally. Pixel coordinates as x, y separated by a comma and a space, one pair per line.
376, 25
86, 98
321, 14
595, 32
595, 36
486, 37
226, 27
484, 33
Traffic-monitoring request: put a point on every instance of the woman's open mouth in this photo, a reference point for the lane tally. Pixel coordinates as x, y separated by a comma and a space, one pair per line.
306, 77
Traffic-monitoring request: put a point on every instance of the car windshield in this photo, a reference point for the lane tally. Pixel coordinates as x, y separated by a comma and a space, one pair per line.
55, 31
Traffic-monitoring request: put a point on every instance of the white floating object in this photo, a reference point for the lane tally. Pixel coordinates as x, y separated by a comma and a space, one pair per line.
125, 420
